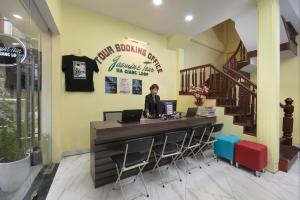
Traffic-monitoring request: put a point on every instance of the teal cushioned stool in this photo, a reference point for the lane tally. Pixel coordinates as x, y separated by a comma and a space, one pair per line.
224, 147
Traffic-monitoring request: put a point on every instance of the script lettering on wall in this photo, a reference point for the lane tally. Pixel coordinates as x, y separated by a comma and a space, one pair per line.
149, 65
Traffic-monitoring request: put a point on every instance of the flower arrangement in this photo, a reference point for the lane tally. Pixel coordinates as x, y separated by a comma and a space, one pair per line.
200, 94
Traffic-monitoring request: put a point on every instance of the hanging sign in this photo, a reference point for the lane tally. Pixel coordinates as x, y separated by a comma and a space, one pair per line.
10, 48
144, 68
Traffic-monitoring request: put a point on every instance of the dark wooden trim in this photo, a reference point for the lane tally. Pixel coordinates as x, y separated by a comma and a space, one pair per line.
252, 54
185, 93
292, 46
285, 46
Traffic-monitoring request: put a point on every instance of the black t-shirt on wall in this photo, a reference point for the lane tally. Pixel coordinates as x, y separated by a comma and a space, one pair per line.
79, 72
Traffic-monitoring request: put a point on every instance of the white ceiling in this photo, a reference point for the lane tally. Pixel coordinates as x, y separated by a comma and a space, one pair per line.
169, 17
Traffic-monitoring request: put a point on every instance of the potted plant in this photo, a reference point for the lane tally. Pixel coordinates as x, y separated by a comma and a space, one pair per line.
14, 161
199, 93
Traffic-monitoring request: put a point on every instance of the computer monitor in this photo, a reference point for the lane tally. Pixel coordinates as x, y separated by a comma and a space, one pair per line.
168, 107
131, 115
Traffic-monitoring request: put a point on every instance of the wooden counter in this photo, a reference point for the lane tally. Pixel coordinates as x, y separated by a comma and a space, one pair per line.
108, 138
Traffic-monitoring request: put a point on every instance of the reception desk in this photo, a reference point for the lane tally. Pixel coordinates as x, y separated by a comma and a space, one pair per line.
108, 138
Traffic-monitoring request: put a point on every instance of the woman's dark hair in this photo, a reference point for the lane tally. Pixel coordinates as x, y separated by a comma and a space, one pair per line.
153, 86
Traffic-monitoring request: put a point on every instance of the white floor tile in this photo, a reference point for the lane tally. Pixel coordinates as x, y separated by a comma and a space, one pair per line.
220, 181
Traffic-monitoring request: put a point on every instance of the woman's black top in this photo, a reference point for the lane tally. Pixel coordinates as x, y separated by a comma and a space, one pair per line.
151, 106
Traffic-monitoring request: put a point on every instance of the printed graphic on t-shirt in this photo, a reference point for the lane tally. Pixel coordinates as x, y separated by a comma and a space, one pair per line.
79, 70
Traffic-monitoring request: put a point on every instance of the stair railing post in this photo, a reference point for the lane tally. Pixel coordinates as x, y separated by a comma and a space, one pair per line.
288, 120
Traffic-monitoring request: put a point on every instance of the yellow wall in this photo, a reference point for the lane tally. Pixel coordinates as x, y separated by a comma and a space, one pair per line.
91, 32
204, 48
289, 87
195, 55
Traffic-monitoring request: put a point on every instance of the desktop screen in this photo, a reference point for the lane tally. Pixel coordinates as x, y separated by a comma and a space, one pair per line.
169, 106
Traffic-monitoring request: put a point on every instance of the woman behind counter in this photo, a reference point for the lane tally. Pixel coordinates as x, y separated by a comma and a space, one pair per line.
152, 103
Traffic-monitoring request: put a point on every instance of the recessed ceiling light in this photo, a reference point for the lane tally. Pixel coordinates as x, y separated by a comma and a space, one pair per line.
189, 18
157, 2
17, 16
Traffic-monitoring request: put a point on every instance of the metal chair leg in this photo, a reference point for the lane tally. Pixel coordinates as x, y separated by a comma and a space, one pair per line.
119, 177
185, 164
211, 148
160, 174
156, 162
195, 156
143, 180
177, 171
157, 166
119, 181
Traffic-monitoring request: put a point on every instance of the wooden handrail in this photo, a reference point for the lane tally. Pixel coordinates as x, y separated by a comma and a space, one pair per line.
221, 72
194, 68
243, 76
233, 80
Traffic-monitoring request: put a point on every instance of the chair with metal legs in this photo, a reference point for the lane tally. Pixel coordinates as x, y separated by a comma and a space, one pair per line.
136, 155
191, 144
169, 149
208, 141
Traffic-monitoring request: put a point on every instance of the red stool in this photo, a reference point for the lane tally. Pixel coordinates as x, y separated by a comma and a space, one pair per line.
251, 155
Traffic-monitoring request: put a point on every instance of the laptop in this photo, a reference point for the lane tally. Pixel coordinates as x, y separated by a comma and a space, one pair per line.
131, 116
191, 112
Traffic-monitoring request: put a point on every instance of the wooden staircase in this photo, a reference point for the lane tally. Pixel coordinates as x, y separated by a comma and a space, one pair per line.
231, 88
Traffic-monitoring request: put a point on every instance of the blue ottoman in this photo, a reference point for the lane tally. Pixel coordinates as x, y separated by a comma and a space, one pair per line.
224, 147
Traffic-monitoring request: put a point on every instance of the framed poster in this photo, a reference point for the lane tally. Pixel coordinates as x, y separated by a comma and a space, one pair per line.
111, 84
137, 86
124, 85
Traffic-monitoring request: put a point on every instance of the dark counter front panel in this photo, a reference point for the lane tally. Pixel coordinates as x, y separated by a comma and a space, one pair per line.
108, 138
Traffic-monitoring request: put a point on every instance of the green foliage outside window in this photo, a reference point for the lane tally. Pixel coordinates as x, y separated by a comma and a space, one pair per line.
10, 150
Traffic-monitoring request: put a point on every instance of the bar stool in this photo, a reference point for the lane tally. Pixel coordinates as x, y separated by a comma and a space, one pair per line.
169, 150
136, 155
208, 141
192, 144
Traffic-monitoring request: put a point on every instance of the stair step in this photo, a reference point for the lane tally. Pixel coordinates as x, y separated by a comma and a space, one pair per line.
288, 156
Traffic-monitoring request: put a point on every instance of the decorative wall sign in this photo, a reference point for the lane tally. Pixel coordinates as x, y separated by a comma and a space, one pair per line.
10, 47
149, 65
111, 84
137, 86
124, 85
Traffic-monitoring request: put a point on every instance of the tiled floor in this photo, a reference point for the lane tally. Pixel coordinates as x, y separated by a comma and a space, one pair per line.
220, 181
